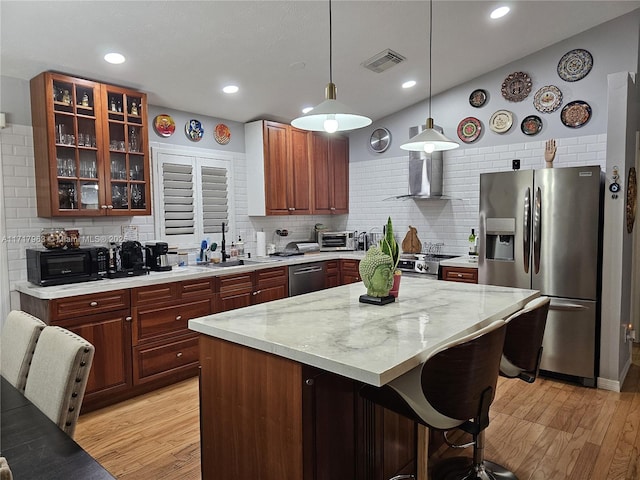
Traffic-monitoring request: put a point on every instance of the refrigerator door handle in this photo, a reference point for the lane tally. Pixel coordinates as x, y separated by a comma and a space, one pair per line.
566, 306
526, 237
537, 223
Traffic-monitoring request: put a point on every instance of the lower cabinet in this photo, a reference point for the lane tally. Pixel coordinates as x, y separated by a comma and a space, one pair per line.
304, 423
332, 278
349, 271
250, 288
110, 334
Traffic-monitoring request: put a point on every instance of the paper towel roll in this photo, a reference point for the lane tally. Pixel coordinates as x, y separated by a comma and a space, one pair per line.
261, 249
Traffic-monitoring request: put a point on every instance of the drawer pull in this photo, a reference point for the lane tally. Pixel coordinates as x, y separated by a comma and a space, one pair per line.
93, 304
459, 275
128, 319
179, 354
178, 318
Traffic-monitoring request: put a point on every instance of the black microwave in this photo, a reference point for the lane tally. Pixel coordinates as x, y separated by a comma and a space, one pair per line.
59, 267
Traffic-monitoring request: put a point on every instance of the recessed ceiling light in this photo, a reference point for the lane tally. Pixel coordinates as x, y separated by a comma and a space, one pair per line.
307, 109
115, 58
500, 12
409, 84
230, 89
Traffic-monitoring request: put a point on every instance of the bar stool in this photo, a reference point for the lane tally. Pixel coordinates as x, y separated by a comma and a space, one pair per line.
453, 388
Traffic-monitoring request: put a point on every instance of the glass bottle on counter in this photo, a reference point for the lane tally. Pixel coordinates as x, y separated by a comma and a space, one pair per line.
473, 243
240, 247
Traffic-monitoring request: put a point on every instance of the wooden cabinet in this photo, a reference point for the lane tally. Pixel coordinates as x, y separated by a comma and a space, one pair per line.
332, 270
330, 160
349, 271
278, 169
163, 345
104, 320
250, 288
313, 423
91, 148
460, 274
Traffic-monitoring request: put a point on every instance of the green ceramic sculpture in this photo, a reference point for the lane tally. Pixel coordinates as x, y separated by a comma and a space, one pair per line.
376, 271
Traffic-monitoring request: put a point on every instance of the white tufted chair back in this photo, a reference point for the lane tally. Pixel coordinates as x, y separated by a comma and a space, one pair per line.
18, 339
58, 375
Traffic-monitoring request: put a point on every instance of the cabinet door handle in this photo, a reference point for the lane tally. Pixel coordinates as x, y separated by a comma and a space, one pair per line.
104, 207
332, 208
93, 304
309, 381
128, 319
110, 207
179, 317
291, 209
179, 354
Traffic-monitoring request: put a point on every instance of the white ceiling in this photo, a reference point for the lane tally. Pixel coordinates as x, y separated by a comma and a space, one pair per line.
183, 52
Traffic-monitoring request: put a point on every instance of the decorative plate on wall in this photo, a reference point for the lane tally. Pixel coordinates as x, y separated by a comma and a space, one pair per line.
501, 121
469, 129
575, 65
531, 125
575, 114
380, 140
222, 134
164, 125
478, 98
548, 99
632, 198
194, 130
516, 87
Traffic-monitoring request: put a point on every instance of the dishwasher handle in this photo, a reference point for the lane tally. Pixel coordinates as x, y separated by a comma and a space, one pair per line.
306, 270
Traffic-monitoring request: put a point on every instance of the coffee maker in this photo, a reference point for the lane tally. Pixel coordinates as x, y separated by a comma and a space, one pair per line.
156, 256
125, 260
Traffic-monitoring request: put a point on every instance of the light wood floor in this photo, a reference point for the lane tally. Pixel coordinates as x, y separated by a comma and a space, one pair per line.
543, 431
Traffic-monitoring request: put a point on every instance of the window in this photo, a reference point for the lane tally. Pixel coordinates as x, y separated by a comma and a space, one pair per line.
193, 195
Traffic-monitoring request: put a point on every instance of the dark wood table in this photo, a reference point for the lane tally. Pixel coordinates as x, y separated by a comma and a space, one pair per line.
36, 448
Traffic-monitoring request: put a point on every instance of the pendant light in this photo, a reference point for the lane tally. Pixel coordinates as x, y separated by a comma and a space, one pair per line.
331, 115
429, 140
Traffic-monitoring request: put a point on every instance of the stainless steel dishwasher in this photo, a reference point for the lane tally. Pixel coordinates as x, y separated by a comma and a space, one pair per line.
305, 278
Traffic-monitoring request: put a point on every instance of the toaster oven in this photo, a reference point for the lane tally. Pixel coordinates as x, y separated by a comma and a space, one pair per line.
336, 241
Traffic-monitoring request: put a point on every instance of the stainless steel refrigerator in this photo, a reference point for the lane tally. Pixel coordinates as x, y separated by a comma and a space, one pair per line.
542, 229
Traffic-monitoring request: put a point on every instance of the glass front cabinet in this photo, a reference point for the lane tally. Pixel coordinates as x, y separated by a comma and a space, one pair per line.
91, 148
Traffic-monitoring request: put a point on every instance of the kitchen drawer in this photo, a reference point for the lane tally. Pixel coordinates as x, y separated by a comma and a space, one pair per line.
460, 274
272, 277
63, 308
152, 322
202, 287
230, 284
151, 362
153, 294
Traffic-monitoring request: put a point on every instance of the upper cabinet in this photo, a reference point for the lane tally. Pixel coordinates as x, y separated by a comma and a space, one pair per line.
295, 172
330, 160
278, 169
91, 148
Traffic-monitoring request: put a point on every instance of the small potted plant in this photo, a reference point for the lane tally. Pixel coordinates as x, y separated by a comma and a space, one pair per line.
389, 246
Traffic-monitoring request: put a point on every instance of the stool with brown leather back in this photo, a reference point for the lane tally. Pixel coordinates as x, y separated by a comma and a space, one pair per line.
453, 388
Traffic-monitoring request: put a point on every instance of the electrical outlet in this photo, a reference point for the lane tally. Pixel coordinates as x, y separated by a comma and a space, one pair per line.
515, 164
282, 232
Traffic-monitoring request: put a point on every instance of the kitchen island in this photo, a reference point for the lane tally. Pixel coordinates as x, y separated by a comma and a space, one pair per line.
279, 380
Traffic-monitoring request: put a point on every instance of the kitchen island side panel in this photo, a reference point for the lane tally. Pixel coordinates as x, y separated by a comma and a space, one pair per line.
250, 413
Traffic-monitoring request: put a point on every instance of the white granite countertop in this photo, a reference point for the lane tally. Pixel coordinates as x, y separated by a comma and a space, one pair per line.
465, 261
331, 330
175, 275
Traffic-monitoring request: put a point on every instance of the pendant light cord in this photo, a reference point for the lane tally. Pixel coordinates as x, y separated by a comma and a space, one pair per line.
430, 49
330, 46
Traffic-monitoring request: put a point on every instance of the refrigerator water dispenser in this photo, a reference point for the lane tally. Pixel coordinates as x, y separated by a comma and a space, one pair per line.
500, 239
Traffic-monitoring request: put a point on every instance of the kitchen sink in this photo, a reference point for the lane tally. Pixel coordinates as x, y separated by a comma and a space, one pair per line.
229, 263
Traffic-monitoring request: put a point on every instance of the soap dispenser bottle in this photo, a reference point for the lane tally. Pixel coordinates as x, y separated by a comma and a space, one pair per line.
240, 247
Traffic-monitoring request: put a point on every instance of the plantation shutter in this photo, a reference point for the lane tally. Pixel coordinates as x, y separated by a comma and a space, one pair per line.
214, 199
178, 195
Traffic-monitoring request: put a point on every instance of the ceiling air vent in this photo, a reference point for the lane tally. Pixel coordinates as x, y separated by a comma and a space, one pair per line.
383, 61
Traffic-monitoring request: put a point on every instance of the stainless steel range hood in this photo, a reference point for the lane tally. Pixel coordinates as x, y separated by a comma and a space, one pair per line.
425, 172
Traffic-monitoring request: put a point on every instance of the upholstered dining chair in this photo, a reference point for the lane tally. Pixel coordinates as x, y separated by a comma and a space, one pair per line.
58, 375
453, 388
19, 336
